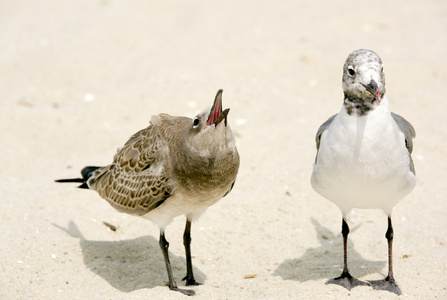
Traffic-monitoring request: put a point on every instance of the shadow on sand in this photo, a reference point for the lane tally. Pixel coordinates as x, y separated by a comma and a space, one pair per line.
129, 265
319, 263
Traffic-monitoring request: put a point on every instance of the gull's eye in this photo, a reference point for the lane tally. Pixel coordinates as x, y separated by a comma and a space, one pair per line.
351, 71
195, 123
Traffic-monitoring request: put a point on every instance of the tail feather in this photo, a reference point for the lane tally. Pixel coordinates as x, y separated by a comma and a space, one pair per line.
86, 174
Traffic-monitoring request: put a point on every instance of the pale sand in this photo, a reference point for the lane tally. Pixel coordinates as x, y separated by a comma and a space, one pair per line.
80, 77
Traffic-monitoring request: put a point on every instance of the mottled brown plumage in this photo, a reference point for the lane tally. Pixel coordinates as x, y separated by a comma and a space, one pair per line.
130, 184
175, 166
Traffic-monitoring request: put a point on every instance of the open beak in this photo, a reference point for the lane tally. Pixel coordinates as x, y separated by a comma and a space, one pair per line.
373, 89
216, 114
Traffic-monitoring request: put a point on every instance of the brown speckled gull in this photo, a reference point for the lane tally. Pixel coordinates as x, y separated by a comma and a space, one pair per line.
175, 166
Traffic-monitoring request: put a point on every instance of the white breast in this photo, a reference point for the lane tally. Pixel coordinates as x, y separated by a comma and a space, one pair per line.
363, 162
180, 204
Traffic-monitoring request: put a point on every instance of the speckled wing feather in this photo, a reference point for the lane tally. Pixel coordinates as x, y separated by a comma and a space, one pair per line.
136, 181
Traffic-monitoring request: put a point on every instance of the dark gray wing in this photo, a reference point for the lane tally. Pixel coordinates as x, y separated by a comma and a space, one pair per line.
409, 133
320, 131
407, 129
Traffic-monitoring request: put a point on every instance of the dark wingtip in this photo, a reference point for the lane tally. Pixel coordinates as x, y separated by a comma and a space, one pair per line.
70, 180
83, 186
86, 173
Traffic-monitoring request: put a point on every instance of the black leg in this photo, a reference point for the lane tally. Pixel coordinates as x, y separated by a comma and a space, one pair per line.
388, 284
187, 242
345, 279
164, 245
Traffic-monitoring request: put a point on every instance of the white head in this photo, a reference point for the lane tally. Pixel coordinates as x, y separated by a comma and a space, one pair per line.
363, 81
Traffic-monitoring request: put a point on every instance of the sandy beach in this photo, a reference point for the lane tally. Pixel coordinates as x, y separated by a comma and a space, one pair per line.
78, 78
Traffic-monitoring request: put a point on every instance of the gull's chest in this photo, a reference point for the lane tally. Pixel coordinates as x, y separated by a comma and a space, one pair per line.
361, 148
363, 163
